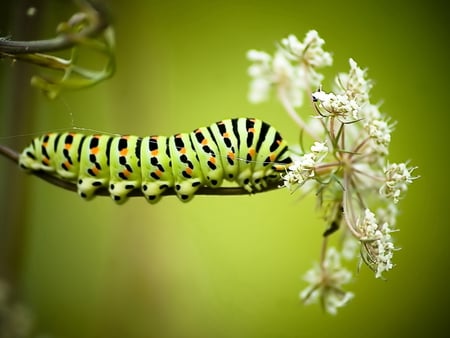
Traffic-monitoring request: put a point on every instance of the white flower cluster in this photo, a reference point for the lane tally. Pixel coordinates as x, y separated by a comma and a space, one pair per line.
356, 86
354, 83
348, 171
377, 243
304, 167
291, 70
308, 55
398, 176
261, 72
380, 133
309, 51
325, 283
339, 105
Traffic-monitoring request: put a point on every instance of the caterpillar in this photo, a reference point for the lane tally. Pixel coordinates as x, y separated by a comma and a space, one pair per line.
247, 151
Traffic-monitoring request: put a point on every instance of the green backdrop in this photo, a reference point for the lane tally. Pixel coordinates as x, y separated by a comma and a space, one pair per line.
227, 266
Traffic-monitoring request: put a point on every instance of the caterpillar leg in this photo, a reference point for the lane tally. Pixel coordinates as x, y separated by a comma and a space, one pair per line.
257, 180
125, 171
153, 190
87, 186
262, 179
186, 189
244, 180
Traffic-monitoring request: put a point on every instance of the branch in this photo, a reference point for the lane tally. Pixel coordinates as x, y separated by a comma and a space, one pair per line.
89, 28
97, 22
221, 191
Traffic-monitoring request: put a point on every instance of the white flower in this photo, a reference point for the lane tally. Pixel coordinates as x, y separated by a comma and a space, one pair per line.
299, 172
368, 225
258, 56
398, 176
377, 243
325, 284
259, 90
293, 47
380, 133
285, 77
319, 148
309, 52
304, 166
291, 70
339, 105
261, 73
308, 56
354, 83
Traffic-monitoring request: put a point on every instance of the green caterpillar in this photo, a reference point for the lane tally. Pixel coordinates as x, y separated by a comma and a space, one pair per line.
244, 150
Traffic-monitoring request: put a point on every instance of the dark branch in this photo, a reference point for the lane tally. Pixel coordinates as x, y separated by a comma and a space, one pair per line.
222, 191
98, 22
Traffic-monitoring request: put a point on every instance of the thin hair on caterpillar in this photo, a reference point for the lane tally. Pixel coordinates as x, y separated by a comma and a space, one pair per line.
31, 134
83, 130
247, 151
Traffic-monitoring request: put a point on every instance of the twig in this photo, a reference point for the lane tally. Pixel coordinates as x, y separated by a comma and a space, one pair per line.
98, 23
222, 191
89, 28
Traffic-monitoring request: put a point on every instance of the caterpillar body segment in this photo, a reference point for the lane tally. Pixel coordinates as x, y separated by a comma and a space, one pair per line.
247, 151
186, 169
226, 133
93, 171
125, 167
207, 149
156, 167
67, 156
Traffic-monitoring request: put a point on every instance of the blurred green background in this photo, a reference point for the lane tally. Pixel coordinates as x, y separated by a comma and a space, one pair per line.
221, 266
